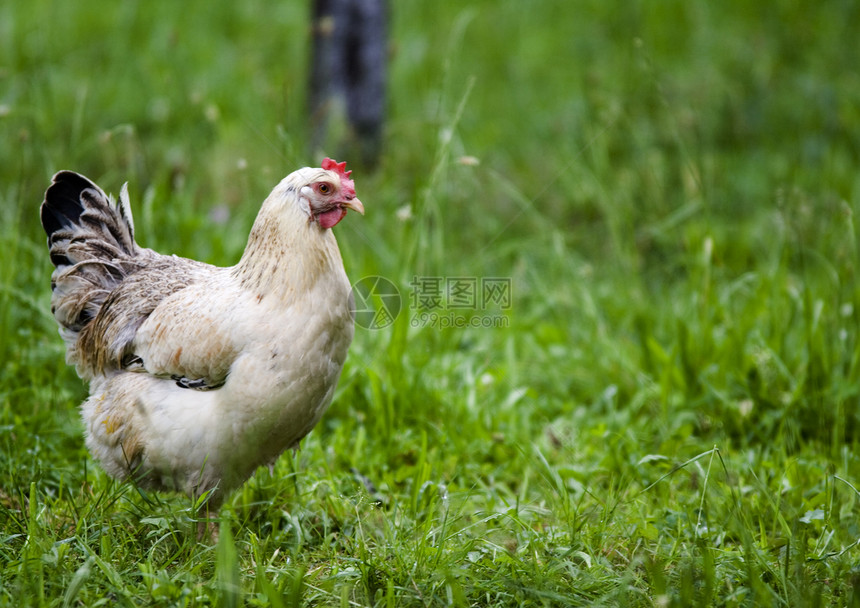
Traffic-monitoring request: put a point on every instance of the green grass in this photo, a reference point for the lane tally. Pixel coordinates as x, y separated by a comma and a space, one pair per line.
670, 416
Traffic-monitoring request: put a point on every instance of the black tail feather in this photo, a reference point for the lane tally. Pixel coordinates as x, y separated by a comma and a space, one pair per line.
63, 205
91, 244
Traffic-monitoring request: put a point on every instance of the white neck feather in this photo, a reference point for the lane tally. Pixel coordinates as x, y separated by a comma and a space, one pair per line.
287, 253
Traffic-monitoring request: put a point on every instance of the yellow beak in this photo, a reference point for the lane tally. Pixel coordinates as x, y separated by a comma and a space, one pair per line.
355, 205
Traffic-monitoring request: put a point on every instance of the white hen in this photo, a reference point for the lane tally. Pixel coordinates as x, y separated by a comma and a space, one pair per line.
200, 374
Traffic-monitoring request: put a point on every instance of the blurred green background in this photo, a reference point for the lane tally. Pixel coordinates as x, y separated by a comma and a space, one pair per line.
670, 416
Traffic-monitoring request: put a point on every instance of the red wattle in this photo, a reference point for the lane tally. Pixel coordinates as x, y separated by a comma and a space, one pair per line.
329, 219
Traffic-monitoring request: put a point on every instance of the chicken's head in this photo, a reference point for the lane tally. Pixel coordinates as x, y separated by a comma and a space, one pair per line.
330, 193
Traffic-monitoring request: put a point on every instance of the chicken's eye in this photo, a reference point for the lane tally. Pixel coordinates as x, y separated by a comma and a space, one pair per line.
324, 188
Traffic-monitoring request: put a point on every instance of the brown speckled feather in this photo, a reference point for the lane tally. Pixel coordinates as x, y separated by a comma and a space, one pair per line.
104, 285
106, 342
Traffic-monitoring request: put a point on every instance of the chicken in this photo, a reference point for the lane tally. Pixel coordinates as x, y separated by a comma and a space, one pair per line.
200, 374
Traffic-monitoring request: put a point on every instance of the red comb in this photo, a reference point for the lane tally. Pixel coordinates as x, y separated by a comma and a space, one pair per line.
340, 168
332, 165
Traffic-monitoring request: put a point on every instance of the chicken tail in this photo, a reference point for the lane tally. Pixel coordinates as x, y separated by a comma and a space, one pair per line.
91, 242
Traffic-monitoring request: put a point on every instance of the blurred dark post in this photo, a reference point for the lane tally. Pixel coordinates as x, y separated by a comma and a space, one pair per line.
348, 75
